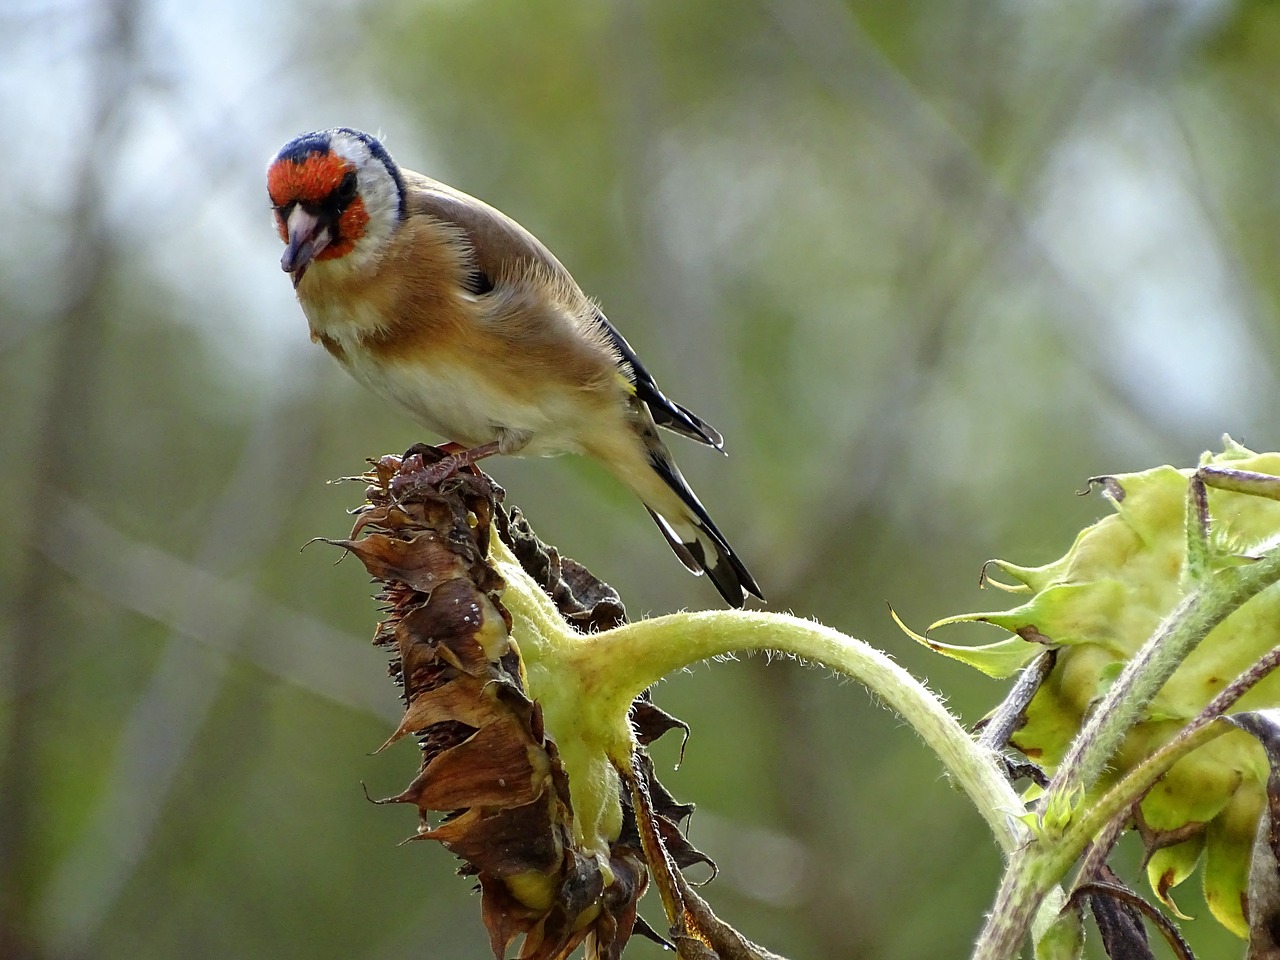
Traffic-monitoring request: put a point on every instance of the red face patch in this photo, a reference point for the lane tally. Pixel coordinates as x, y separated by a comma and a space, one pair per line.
350, 229
313, 182
310, 181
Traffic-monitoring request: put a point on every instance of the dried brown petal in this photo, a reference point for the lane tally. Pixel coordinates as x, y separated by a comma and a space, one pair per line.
498, 842
388, 558
651, 722
457, 624
486, 759
498, 767
459, 697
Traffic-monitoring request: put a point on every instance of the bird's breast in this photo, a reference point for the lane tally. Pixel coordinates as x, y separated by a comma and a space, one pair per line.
463, 375
462, 400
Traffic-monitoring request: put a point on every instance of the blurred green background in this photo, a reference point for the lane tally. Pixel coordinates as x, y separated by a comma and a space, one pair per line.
927, 266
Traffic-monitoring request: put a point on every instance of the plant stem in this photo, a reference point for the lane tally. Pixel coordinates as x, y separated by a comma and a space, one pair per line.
652, 649
1206, 726
615, 666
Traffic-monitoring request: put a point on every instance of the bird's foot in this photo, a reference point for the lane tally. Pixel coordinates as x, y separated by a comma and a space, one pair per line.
416, 473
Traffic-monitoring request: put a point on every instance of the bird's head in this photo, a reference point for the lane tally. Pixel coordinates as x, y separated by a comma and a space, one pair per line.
338, 197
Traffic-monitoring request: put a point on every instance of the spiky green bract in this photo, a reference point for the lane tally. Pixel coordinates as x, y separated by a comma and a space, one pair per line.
1140, 574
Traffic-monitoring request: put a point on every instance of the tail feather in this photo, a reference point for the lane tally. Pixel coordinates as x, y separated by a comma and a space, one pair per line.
726, 571
665, 412
678, 546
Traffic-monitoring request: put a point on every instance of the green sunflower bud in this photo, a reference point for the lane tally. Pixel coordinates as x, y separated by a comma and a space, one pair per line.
1096, 606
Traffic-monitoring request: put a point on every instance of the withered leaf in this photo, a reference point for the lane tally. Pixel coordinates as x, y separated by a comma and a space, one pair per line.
651, 722
409, 561
457, 624
472, 700
507, 842
586, 602
1119, 913
497, 766
684, 853
664, 804
1124, 937
505, 917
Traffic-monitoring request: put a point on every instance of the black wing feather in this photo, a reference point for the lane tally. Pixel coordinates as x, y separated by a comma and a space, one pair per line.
666, 413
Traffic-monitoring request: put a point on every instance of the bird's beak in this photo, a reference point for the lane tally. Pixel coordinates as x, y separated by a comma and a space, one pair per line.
308, 235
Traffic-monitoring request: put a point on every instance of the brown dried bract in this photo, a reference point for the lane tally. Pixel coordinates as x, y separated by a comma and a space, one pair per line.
487, 764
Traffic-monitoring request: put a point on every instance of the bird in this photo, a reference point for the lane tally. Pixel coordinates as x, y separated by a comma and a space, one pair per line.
451, 310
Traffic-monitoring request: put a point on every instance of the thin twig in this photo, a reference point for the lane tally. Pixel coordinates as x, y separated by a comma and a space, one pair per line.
304, 652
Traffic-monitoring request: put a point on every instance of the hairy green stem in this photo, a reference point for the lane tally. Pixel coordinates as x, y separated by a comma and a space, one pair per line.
1125, 703
1208, 725
655, 648
1121, 797
613, 667
586, 686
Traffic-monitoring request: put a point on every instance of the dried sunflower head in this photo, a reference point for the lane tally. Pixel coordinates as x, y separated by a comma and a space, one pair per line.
558, 858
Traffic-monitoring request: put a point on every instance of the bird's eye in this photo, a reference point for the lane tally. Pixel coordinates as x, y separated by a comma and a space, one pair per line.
347, 188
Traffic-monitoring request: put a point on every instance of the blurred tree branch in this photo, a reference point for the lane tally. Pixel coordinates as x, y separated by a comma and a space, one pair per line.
65, 436
276, 461
303, 651
848, 63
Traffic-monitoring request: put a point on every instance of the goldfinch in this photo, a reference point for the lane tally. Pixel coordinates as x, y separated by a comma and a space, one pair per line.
449, 308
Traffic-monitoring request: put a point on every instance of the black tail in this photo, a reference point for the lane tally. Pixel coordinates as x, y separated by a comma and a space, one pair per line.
726, 571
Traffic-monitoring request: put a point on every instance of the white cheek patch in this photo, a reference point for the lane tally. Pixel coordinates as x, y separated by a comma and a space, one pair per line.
380, 194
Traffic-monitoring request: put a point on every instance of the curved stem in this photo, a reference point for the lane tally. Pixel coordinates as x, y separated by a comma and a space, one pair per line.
586, 685
1122, 797
652, 649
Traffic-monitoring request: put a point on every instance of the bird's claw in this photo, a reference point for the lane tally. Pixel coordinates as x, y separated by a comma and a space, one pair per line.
416, 475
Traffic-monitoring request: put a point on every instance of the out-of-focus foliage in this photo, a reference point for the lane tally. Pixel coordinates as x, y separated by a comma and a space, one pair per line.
927, 266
